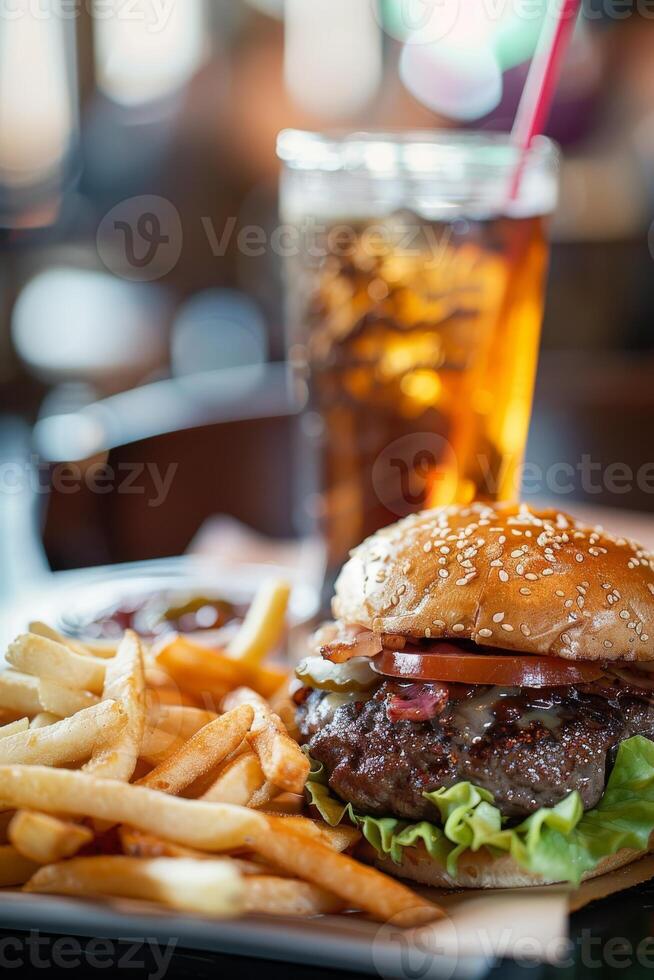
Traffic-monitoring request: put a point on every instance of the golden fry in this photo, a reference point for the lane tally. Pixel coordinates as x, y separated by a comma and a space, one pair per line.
271, 895
238, 781
124, 683
15, 727
359, 886
263, 626
206, 749
63, 701
282, 760
70, 740
19, 693
212, 887
193, 823
45, 839
41, 657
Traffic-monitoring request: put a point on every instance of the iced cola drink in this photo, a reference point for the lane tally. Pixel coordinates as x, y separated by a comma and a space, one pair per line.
415, 296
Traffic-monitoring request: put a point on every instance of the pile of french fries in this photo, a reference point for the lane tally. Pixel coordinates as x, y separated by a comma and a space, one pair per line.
170, 774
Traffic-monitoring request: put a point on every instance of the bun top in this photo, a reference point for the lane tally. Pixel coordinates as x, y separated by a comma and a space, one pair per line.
534, 581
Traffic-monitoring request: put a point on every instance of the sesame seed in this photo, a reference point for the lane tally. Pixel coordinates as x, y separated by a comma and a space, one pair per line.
520, 569
445, 550
525, 591
624, 614
531, 577
504, 577
507, 627
524, 629
427, 632
566, 638
516, 554
548, 571
462, 581
644, 637
439, 623
498, 617
608, 644
443, 572
579, 557
485, 633
458, 628
426, 547
560, 593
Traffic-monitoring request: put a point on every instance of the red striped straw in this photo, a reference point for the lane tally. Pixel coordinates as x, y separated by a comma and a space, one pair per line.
540, 86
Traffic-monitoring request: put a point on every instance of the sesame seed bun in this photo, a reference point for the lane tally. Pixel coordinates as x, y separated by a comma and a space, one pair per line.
481, 869
506, 576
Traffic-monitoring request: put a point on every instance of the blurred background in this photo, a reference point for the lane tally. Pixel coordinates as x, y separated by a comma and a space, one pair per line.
142, 332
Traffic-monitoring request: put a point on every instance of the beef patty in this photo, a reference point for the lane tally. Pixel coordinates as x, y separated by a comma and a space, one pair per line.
528, 748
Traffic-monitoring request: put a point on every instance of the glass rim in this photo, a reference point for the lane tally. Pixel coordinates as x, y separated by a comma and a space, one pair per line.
416, 153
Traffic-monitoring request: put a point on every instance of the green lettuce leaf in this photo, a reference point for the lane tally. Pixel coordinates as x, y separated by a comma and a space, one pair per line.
561, 842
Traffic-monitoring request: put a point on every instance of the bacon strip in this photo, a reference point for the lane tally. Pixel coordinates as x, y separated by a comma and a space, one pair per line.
418, 702
350, 642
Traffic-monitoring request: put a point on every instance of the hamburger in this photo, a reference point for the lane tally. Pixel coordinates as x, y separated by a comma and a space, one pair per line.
481, 705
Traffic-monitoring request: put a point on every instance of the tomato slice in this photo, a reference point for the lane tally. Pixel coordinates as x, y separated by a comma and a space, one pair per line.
452, 665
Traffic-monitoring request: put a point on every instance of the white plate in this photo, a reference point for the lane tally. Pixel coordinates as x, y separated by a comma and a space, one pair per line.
342, 943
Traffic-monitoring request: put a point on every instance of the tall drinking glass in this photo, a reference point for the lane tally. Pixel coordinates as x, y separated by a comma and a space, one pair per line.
415, 294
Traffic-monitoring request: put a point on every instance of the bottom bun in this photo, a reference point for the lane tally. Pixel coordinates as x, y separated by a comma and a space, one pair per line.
480, 869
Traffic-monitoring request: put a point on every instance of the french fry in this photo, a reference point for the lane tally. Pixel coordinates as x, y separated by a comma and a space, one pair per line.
206, 749
271, 895
264, 796
136, 843
238, 781
124, 683
359, 886
63, 701
207, 674
179, 719
197, 669
192, 823
19, 693
15, 727
14, 868
70, 740
104, 650
41, 657
282, 760
43, 719
263, 625
212, 887
45, 839
157, 746
338, 838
